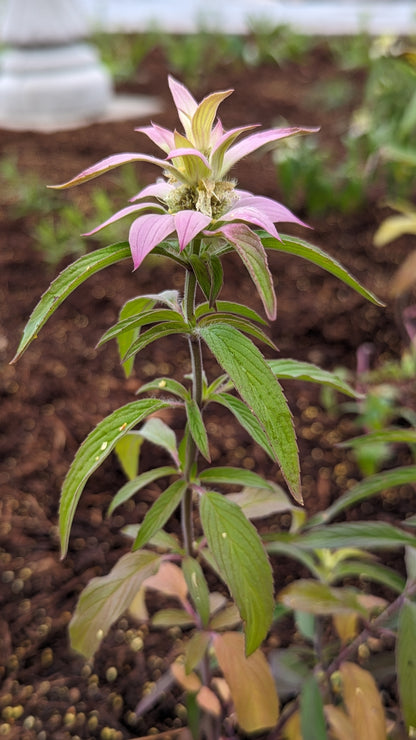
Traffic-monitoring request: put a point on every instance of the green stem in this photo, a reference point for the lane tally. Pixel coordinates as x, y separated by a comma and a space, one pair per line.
196, 361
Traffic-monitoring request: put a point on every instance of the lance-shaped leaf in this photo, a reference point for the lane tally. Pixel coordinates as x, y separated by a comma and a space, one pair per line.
406, 662
312, 718
160, 512
234, 476
229, 307
363, 702
127, 450
317, 598
136, 484
260, 502
260, 390
106, 598
217, 278
156, 431
368, 535
165, 384
250, 681
197, 428
297, 370
93, 451
63, 286
370, 486
242, 562
239, 323
125, 340
129, 324
153, 334
244, 416
386, 436
314, 254
253, 255
197, 587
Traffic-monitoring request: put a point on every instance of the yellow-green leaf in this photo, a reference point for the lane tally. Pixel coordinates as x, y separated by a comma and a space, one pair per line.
251, 683
106, 598
363, 702
406, 662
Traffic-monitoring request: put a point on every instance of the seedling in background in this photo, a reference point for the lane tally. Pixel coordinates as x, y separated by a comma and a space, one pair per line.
194, 216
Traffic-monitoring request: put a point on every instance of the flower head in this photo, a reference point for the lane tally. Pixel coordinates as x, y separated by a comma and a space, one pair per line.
196, 197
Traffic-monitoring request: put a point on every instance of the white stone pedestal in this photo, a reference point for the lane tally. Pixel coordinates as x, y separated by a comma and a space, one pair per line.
50, 76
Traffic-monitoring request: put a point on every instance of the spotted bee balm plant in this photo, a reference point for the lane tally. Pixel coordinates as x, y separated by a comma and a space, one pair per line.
194, 215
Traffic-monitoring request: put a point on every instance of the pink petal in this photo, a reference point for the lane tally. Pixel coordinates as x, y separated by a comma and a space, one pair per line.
252, 216
188, 224
275, 211
160, 136
109, 163
185, 103
124, 212
255, 141
146, 232
159, 189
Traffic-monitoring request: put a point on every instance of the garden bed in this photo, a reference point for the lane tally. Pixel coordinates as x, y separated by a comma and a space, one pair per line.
62, 387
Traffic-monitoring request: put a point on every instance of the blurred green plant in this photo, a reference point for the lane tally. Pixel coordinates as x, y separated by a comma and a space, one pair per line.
57, 236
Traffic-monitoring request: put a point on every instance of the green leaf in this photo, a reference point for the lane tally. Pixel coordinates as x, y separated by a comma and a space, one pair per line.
202, 275
246, 419
262, 393
369, 535
151, 335
127, 450
130, 324
318, 598
163, 540
106, 598
406, 662
63, 286
242, 562
297, 370
197, 587
125, 340
241, 324
217, 277
167, 385
289, 550
93, 451
239, 309
259, 502
158, 433
369, 487
225, 619
197, 428
160, 512
312, 717
250, 681
234, 476
195, 650
136, 484
172, 618
371, 572
254, 257
386, 436
314, 254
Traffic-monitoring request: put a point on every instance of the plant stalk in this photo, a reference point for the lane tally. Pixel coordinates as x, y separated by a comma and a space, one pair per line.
191, 452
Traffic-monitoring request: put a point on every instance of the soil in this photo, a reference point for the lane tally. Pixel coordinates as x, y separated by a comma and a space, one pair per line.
63, 386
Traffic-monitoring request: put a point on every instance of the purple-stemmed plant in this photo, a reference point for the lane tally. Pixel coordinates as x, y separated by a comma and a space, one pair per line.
194, 215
